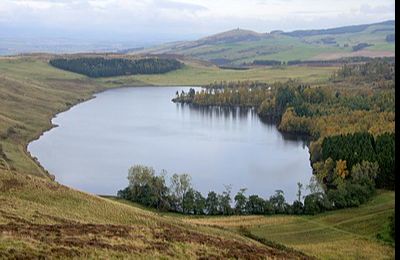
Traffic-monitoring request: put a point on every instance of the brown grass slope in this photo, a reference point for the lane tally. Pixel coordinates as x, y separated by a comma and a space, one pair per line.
40, 218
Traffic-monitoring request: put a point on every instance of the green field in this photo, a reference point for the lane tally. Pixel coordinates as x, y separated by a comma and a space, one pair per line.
194, 75
341, 234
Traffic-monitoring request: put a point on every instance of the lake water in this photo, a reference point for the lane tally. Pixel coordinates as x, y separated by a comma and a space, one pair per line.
97, 141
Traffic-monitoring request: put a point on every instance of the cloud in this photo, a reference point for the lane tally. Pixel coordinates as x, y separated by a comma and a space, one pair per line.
180, 19
379, 9
179, 6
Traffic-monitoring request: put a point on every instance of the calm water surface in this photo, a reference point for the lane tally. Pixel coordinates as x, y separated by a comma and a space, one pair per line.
96, 142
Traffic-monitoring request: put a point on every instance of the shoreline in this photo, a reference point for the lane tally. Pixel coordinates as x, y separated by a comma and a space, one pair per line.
40, 133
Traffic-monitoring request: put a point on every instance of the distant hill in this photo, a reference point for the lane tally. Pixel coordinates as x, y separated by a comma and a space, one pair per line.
239, 46
236, 35
339, 30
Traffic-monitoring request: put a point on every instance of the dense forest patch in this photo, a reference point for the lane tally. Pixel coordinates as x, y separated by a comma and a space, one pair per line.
358, 147
101, 67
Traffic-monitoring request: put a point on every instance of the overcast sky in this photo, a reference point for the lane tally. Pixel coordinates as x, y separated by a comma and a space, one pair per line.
169, 20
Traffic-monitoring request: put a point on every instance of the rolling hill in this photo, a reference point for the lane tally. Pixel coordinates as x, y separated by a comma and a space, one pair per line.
239, 46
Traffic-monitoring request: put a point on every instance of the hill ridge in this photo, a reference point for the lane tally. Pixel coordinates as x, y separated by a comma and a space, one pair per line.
243, 46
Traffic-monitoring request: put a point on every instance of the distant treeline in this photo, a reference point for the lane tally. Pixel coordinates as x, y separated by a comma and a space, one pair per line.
101, 67
226, 94
233, 67
339, 30
310, 62
378, 69
268, 62
361, 46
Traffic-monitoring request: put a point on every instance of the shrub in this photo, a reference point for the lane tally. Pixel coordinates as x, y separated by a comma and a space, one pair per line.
316, 203
297, 207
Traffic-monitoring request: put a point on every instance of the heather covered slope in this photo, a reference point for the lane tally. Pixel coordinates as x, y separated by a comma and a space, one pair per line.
40, 218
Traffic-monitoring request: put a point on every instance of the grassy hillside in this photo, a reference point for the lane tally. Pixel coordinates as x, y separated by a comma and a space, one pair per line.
239, 46
342, 234
31, 92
